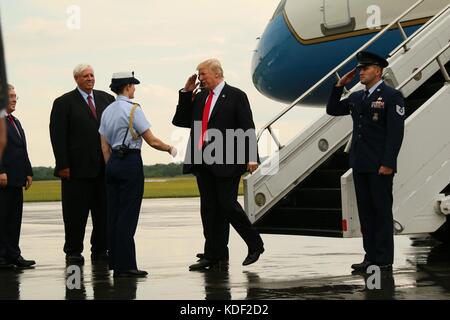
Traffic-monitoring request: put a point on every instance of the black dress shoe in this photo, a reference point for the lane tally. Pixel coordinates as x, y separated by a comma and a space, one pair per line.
200, 256
74, 258
361, 266
130, 274
202, 264
20, 262
100, 257
252, 257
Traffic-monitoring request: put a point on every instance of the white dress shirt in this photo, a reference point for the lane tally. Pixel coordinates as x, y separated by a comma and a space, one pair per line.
374, 87
85, 96
217, 90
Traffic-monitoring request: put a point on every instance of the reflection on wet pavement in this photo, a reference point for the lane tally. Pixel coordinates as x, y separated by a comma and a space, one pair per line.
170, 235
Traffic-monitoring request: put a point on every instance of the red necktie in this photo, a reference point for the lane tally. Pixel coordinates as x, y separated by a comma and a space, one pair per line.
11, 120
205, 118
91, 106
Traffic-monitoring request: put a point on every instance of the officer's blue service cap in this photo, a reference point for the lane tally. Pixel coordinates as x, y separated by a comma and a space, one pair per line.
366, 58
121, 78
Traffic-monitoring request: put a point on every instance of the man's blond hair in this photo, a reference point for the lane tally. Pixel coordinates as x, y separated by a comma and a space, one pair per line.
213, 65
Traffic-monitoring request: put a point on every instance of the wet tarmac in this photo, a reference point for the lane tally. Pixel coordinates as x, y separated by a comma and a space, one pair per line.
170, 235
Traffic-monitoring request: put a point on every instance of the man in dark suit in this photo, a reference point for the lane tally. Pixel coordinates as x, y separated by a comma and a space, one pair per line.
15, 173
74, 124
3, 137
378, 123
218, 160
3, 97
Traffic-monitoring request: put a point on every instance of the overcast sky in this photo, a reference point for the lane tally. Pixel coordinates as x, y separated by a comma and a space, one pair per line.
161, 40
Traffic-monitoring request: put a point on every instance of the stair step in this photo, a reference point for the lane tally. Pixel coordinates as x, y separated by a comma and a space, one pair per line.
337, 161
316, 198
302, 232
304, 221
428, 89
324, 178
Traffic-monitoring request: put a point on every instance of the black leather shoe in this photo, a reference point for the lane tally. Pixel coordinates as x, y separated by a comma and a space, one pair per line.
100, 257
20, 262
252, 257
74, 258
361, 266
200, 265
130, 274
200, 256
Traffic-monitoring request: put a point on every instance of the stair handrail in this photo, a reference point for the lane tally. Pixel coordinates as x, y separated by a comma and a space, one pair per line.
334, 72
435, 57
418, 31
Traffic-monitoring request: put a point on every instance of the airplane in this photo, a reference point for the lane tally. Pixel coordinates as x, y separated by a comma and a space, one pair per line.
304, 40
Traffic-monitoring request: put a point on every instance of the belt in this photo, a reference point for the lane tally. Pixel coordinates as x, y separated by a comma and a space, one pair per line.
128, 151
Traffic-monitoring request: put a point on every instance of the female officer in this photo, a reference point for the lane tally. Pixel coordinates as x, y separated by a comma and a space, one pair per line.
123, 125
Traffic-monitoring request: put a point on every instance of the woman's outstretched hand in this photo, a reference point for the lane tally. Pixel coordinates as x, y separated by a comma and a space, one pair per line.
173, 151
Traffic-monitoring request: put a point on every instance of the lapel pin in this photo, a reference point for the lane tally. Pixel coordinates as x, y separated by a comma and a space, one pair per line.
224, 96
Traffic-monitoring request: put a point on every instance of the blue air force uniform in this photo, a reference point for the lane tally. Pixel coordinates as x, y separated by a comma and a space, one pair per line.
124, 176
378, 125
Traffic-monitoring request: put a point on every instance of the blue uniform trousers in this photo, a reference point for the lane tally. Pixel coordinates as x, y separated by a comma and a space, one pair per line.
125, 188
374, 198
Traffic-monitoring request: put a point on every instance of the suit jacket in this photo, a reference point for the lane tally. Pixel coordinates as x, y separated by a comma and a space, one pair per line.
231, 111
15, 162
74, 134
378, 126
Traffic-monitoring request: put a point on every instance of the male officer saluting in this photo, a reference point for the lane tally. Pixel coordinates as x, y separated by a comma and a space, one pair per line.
378, 122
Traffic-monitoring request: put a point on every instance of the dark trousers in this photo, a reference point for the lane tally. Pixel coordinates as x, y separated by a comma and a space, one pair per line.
374, 198
219, 209
79, 196
11, 207
125, 188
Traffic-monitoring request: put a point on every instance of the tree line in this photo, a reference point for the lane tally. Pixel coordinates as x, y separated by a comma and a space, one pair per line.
153, 171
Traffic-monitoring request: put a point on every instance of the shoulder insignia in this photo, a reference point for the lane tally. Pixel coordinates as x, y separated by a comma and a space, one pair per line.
400, 110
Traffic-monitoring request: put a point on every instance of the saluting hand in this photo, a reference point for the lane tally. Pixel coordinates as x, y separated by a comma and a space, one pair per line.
191, 83
345, 80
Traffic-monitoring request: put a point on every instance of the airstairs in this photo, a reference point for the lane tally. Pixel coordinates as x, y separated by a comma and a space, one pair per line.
306, 186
